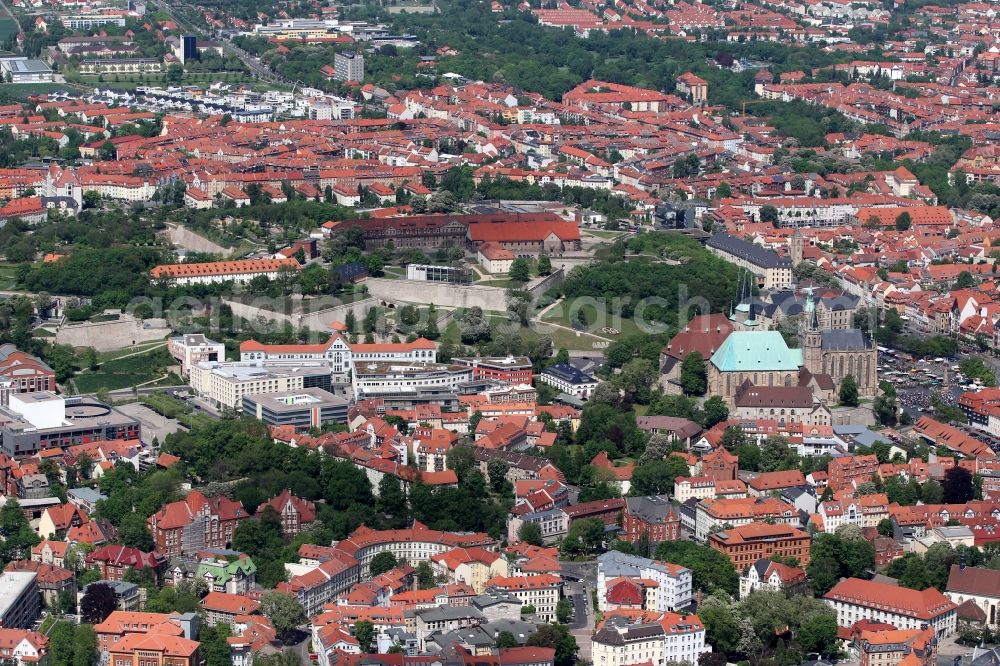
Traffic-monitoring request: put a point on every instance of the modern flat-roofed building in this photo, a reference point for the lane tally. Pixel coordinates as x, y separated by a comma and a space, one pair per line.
305, 408
226, 383
510, 369
20, 600
194, 348
42, 420
349, 66
376, 380
25, 70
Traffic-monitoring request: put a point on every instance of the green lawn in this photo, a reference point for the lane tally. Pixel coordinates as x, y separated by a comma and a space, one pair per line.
104, 357
7, 280
125, 372
625, 327
21, 91
8, 27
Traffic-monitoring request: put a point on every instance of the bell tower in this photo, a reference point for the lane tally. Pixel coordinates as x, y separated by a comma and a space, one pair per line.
813, 338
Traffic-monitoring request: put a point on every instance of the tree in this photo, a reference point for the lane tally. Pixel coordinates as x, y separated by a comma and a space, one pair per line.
84, 646
564, 608
931, 492
656, 477
965, 280
496, 471
849, 391
556, 636
694, 376
425, 575
391, 502
885, 527
903, 221
769, 213
657, 448
364, 631
520, 270
132, 532
714, 411
97, 603
636, 378
958, 486
214, 647
382, 562
819, 633
505, 639
544, 265
530, 533
283, 610
710, 569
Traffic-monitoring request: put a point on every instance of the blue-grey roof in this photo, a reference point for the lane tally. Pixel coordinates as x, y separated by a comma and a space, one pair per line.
757, 255
850, 339
568, 373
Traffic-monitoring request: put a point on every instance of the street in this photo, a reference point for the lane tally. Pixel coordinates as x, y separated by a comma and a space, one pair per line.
579, 591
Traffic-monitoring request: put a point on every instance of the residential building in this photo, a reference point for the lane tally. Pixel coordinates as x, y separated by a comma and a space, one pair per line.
230, 574
674, 582
542, 591
855, 599
894, 647
349, 66
471, 566
746, 544
22, 647
622, 640
767, 575
222, 608
116, 561
851, 471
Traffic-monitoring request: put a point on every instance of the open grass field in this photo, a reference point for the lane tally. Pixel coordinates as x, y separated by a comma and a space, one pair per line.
124, 372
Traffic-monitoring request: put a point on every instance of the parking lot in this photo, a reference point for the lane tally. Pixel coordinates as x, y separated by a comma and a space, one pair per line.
153, 425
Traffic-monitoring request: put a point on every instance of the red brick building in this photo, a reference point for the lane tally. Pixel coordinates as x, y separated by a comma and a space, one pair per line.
510, 369
653, 516
195, 523
845, 471
115, 561
746, 544
607, 510
720, 464
296, 514
28, 373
